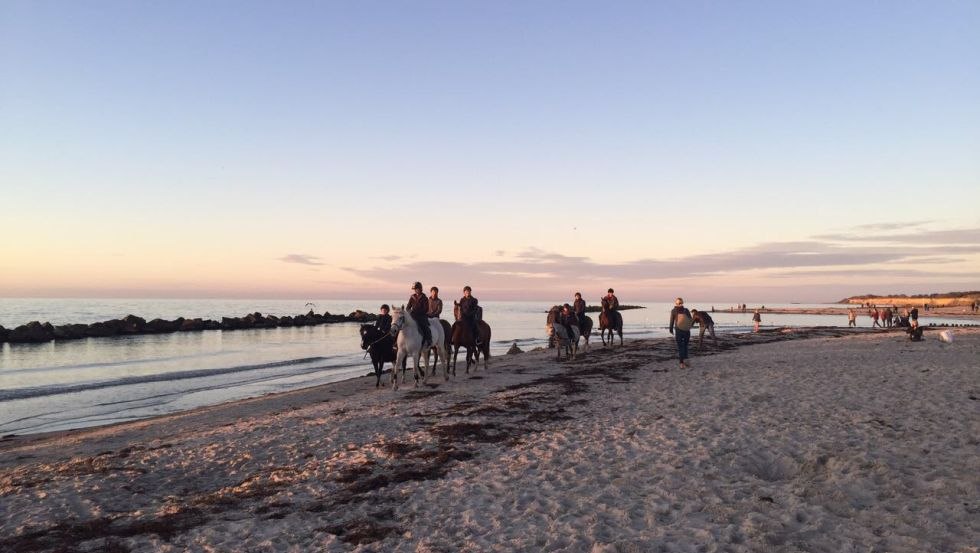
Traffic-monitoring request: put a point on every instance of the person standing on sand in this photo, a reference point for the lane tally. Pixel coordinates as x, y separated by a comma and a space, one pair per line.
886, 317
756, 319
435, 304
468, 306
681, 318
705, 323
914, 317
418, 308
851, 318
579, 306
384, 320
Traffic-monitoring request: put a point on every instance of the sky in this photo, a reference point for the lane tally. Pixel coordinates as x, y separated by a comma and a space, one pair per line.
725, 151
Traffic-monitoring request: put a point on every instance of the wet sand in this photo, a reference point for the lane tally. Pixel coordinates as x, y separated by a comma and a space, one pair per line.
806, 440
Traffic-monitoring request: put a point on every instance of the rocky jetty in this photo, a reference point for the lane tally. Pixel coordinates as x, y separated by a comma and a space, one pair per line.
37, 332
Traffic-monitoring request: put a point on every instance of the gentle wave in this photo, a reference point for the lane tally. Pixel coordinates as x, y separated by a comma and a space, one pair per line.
41, 391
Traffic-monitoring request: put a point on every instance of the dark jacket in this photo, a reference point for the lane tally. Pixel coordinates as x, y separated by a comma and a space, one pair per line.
611, 302
756, 317
579, 306
435, 307
677, 310
467, 307
383, 323
569, 319
418, 305
703, 319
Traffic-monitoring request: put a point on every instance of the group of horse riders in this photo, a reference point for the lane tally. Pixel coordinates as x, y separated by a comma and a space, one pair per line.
421, 308
574, 315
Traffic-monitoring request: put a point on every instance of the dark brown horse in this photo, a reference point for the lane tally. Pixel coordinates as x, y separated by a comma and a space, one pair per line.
611, 320
462, 336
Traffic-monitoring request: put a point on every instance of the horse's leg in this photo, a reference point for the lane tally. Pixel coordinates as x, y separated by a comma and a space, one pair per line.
445, 365
399, 359
378, 369
425, 367
455, 356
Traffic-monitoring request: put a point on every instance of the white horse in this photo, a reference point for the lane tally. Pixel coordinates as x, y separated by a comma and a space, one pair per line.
558, 332
409, 344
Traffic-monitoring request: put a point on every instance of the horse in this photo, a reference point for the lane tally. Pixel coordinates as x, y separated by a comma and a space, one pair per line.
381, 347
409, 344
611, 320
558, 331
585, 327
462, 336
448, 333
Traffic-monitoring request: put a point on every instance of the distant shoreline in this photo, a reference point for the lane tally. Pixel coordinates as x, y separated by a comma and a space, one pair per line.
946, 299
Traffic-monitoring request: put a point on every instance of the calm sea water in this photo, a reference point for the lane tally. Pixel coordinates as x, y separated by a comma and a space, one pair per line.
79, 383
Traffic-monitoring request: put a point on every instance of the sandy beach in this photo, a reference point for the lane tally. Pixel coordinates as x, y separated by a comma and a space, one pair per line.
805, 440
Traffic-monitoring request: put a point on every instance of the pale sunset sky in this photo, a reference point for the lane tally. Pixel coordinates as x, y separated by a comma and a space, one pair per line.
755, 151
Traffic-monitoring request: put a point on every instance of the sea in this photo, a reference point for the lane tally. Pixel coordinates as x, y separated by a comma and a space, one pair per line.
62, 385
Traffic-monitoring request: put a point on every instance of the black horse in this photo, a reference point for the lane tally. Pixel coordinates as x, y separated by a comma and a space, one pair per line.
380, 346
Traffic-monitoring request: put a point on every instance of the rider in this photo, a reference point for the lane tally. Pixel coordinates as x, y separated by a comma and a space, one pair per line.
468, 312
384, 320
435, 304
579, 307
418, 308
611, 301
568, 319
705, 323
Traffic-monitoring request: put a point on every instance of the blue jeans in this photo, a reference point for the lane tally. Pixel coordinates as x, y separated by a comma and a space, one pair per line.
683, 337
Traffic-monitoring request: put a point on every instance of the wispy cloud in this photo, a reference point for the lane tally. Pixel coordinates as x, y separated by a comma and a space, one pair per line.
301, 259
957, 236
534, 267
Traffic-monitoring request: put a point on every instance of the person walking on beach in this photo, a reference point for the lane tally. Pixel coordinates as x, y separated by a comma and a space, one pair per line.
579, 307
851, 318
705, 323
435, 304
886, 317
757, 320
418, 308
874, 318
468, 311
680, 326
384, 320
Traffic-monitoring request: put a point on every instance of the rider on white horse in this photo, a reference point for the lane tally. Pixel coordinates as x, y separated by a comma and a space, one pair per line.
418, 306
409, 344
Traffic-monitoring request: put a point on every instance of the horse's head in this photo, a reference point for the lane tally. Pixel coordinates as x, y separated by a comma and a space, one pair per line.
368, 335
397, 319
456, 312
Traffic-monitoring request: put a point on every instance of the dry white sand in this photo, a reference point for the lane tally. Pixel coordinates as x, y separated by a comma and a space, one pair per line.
860, 443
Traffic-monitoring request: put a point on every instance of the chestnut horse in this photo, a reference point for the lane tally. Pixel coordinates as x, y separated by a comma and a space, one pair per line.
462, 336
610, 320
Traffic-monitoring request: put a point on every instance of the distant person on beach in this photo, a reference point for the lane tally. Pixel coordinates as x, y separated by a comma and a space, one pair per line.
851, 318
435, 304
579, 307
874, 317
681, 321
886, 317
469, 312
705, 323
418, 308
384, 319
757, 320
914, 317
611, 301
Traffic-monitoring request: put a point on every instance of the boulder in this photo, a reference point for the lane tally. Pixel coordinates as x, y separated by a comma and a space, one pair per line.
70, 332
285, 321
162, 326
362, 316
131, 324
211, 325
190, 325
32, 332
230, 323
3, 334
101, 330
